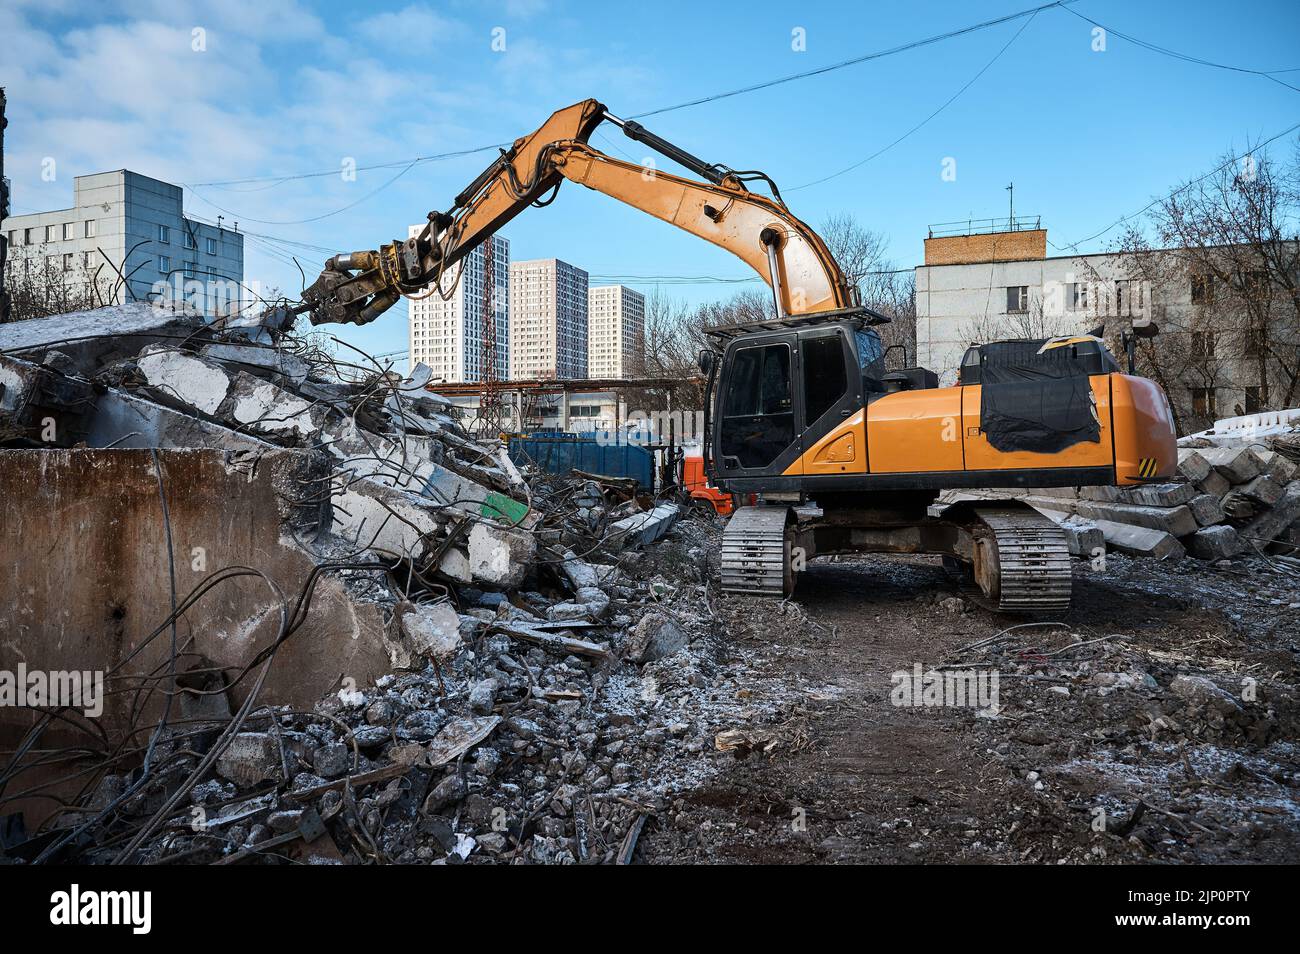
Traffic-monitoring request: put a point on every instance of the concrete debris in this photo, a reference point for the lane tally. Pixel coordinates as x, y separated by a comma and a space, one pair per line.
388, 633
654, 637
1230, 497
434, 631
642, 529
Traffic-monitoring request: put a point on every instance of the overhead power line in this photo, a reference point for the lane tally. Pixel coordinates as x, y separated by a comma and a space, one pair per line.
951, 99
1187, 57
767, 84
1074, 246
864, 58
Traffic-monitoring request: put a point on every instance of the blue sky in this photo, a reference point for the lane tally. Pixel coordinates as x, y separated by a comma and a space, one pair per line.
290, 88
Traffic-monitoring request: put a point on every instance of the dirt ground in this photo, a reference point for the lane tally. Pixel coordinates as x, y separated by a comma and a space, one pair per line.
1158, 724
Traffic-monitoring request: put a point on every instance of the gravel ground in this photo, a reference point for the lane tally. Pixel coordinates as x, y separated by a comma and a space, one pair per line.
1156, 722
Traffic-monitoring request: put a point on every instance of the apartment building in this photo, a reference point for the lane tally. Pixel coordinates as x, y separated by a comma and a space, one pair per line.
615, 331
548, 327
447, 329
128, 235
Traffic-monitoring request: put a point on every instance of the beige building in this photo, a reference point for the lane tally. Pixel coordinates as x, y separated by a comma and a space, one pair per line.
548, 321
978, 286
447, 333
615, 331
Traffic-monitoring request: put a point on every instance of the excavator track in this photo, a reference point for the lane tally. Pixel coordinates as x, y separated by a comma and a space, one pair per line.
756, 552
1022, 561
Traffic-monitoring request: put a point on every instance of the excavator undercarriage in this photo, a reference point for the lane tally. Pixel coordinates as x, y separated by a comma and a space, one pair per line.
1006, 555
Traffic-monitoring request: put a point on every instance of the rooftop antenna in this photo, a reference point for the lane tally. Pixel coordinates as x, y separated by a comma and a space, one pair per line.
1011, 208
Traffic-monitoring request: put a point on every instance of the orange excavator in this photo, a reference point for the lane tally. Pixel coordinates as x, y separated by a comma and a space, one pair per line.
840, 454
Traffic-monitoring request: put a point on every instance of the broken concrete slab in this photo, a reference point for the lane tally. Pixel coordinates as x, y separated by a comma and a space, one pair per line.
268, 410
432, 630
579, 572
43, 403
1140, 541
125, 420
642, 529
283, 367
1214, 543
1270, 525
1152, 495
95, 516
252, 758
1278, 467
1216, 485
500, 556
1236, 464
1206, 509
653, 637
97, 335
1083, 537
1176, 521
182, 378
387, 521
1192, 465
1262, 489
243, 400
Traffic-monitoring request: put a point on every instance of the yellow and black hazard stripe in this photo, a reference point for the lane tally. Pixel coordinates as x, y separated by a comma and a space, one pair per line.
1147, 467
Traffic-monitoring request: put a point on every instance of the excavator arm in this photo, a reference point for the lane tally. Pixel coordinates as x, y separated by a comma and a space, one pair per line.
358, 287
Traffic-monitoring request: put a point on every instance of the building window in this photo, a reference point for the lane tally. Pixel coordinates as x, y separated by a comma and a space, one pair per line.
1077, 296
1255, 283
67, 232
1203, 402
189, 240
1252, 400
67, 261
165, 264
212, 246
13, 237
1202, 289
164, 234
90, 228
190, 268
1203, 344
1017, 299
51, 233
29, 236
1255, 342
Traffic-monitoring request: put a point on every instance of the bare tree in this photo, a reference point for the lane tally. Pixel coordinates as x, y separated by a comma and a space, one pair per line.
42, 285
1228, 241
862, 257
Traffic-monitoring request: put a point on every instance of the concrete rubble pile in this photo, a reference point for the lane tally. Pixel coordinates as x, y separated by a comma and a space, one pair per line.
334, 626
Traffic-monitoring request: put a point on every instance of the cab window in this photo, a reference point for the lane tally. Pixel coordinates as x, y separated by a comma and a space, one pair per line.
824, 380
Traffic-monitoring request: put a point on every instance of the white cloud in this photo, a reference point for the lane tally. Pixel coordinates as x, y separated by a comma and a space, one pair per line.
412, 29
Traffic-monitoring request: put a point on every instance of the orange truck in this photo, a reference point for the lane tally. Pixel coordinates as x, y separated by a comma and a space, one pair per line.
697, 484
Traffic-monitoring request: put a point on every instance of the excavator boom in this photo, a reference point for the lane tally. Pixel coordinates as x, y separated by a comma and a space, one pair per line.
358, 287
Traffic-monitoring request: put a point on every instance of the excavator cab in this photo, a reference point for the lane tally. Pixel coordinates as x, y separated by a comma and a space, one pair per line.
786, 385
